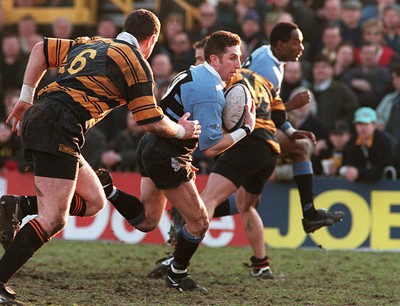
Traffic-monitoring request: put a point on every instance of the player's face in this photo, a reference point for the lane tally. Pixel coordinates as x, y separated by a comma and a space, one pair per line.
199, 55
292, 49
228, 64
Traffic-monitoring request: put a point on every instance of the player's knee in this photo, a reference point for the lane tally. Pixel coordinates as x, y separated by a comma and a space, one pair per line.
301, 151
95, 205
199, 227
56, 225
147, 225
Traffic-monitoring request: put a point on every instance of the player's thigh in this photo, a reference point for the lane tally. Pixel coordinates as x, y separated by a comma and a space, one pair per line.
217, 190
90, 189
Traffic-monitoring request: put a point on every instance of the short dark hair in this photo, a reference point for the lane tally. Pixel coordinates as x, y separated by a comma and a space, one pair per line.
322, 58
395, 69
142, 24
282, 31
200, 43
218, 42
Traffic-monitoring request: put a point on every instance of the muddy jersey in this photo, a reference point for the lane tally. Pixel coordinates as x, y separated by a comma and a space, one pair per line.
97, 75
270, 110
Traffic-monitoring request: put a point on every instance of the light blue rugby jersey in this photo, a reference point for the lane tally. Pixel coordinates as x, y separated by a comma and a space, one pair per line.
263, 62
200, 91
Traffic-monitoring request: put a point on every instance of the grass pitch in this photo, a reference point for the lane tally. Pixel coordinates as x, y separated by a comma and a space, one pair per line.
98, 273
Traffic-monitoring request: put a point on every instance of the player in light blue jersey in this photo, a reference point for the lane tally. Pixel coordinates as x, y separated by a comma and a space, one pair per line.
165, 164
286, 44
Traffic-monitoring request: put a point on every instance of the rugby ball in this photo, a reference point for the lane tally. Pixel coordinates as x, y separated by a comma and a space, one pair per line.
236, 97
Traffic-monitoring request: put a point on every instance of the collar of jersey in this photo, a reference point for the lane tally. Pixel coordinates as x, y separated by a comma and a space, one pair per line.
269, 52
129, 38
214, 72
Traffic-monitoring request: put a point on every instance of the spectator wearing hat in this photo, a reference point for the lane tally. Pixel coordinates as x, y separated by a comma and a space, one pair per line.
328, 155
369, 150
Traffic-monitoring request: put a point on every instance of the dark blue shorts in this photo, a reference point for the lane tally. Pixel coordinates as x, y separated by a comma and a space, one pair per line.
249, 163
163, 162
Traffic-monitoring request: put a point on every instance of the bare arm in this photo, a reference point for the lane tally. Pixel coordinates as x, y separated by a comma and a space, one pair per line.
185, 129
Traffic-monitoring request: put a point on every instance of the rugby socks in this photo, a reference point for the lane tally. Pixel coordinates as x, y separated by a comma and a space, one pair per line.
28, 240
259, 263
29, 206
226, 208
185, 248
129, 206
303, 176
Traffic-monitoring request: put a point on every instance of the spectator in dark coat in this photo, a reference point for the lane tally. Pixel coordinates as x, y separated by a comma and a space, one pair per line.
368, 152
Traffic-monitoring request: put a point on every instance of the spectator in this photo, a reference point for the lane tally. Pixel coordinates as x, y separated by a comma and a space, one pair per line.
303, 16
391, 27
328, 156
372, 32
369, 150
62, 28
107, 28
350, 27
330, 14
206, 22
274, 17
344, 60
227, 17
385, 107
335, 100
182, 55
251, 33
369, 81
172, 25
162, 69
374, 10
292, 79
121, 153
330, 41
13, 62
27, 27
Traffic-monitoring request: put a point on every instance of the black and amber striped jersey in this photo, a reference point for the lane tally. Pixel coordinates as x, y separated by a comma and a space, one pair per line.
270, 110
97, 75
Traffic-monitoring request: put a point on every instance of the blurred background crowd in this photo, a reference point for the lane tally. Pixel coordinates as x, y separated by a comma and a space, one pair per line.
351, 65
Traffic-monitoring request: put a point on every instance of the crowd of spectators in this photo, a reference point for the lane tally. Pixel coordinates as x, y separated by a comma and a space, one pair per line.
350, 62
